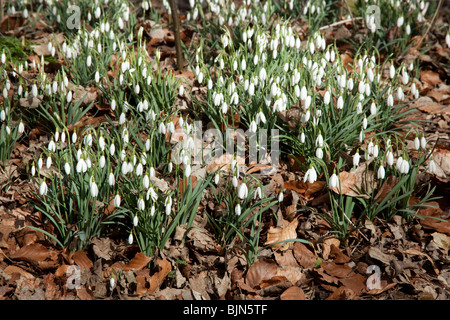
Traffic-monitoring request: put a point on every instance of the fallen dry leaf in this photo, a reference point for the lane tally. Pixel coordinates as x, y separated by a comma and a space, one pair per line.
289, 232
139, 262
293, 293
441, 240
261, 270
157, 279
430, 77
304, 256
38, 255
326, 246
81, 259
419, 253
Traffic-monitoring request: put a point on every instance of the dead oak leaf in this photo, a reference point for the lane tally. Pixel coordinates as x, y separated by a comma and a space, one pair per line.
275, 235
261, 270
430, 77
304, 256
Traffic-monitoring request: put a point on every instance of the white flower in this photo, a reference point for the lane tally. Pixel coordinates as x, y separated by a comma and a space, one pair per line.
162, 128
243, 191
260, 117
141, 204
152, 211
187, 171
319, 140
102, 161
400, 21
112, 283
217, 178
135, 221
67, 168
327, 98
48, 163
112, 149
333, 182
365, 123
390, 158
258, 193
423, 142
253, 126
235, 181
43, 188
404, 167
310, 175
280, 196
111, 179
392, 71
319, 153
237, 209
130, 239
181, 90
117, 200
416, 143
381, 172
398, 164
152, 194
340, 103
356, 158
94, 190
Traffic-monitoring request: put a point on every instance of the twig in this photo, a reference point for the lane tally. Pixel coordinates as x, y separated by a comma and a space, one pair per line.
340, 22
433, 20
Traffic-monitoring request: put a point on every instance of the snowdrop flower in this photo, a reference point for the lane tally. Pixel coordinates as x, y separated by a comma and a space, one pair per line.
423, 142
112, 149
69, 96
43, 188
48, 162
141, 204
416, 143
381, 172
319, 153
168, 204
404, 167
356, 158
152, 194
243, 191
373, 108
390, 158
181, 90
333, 182
258, 193
390, 101
112, 283
130, 238
237, 209
162, 128
391, 71
400, 21
260, 117
399, 162
102, 161
253, 127
302, 137
34, 90
280, 196
217, 178
187, 171
135, 221
365, 123
117, 200
234, 181
67, 168
340, 103
326, 98
310, 175
94, 189
21, 128
33, 170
